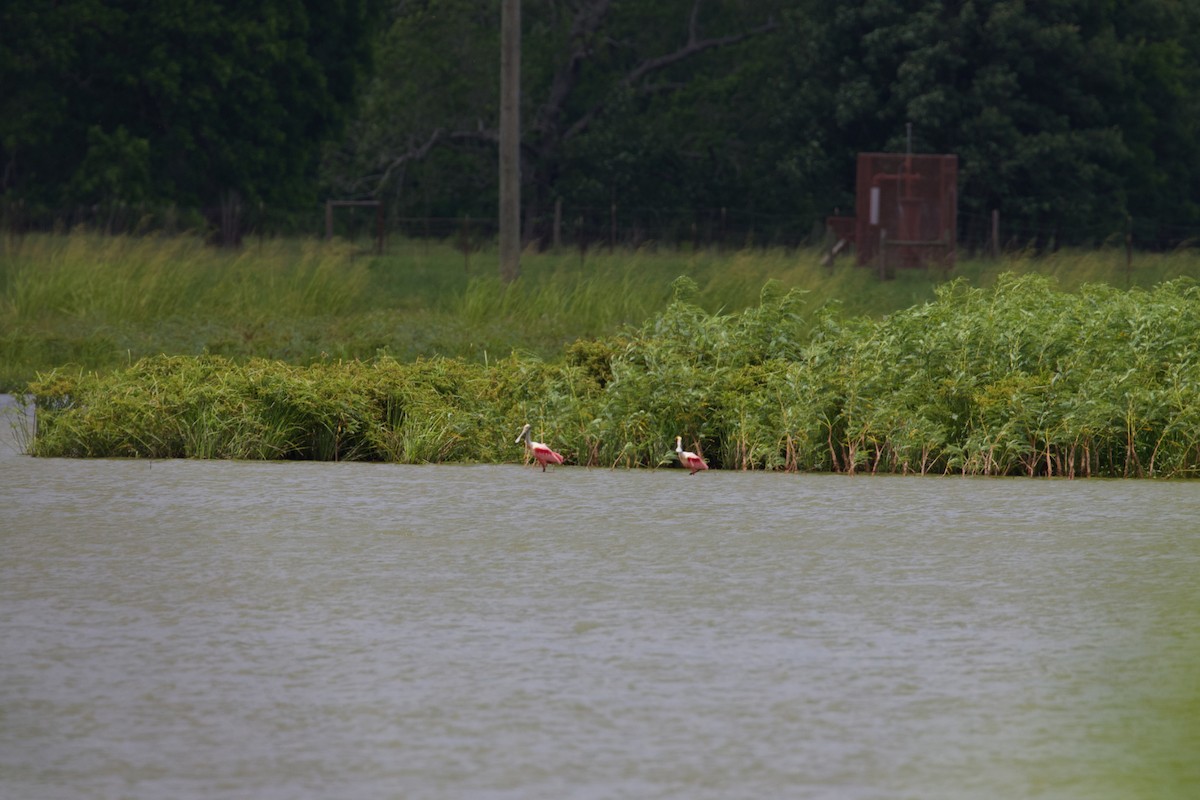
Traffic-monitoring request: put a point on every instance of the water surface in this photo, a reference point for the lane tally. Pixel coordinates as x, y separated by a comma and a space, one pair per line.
212, 629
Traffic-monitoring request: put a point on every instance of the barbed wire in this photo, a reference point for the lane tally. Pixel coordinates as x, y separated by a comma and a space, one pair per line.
586, 226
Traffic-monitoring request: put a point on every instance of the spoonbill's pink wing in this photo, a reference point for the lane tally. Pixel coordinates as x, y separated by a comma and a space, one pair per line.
544, 454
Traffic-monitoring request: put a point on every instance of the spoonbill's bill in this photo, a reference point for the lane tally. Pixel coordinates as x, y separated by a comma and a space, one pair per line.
690, 460
541, 452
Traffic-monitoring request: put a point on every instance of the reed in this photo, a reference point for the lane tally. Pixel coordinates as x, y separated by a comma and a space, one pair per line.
138, 280
1019, 378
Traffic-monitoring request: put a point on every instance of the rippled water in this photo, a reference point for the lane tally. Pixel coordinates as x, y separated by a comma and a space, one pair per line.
192, 629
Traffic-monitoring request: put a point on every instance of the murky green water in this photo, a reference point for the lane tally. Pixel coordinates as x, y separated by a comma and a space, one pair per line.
248, 630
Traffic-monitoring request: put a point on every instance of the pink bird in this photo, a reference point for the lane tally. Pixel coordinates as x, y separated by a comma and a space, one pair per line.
690, 460
541, 452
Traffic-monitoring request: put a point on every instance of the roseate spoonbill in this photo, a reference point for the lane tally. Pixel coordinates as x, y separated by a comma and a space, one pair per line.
541, 452
690, 460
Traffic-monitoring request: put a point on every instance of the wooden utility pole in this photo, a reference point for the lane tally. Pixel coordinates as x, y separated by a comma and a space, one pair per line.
510, 140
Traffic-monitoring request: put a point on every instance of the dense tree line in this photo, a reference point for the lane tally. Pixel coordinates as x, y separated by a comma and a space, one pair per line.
1068, 115
199, 103
1074, 118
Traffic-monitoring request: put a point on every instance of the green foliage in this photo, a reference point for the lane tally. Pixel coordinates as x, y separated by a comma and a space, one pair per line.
185, 102
103, 302
210, 407
648, 102
1018, 379
1067, 116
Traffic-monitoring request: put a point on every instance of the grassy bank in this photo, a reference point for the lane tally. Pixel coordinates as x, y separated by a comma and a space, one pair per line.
102, 303
1019, 378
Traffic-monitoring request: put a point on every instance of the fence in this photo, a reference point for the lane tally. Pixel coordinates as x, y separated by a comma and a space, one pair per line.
589, 228
585, 227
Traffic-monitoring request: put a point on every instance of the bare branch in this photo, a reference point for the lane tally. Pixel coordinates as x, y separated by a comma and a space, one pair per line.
693, 47
690, 49
663, 86
421, 151
413, 154
588, 20
547, 134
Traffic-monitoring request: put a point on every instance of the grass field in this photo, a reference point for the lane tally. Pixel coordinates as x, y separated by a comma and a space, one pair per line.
100, 302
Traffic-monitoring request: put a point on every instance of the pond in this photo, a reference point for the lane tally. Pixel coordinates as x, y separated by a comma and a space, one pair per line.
202, 629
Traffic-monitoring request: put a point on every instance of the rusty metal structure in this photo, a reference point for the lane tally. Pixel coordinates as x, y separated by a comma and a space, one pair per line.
906, 212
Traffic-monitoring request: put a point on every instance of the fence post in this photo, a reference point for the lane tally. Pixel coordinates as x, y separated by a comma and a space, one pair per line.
231, 212
612, 225
580, 239
882, 265
379, 228
328, 220
557, 236
995, 233
464, 240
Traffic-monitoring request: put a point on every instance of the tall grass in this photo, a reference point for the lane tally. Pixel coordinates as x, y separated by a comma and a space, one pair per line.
140, 280
101, 303
1017, 379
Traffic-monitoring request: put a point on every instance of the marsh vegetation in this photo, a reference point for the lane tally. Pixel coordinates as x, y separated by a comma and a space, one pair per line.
760, 360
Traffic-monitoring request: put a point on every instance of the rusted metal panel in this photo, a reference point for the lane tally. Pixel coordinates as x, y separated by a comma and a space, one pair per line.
907, 210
